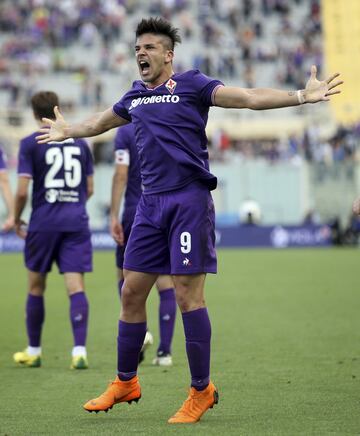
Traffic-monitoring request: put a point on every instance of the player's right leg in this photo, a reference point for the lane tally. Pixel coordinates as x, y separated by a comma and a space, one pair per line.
120, 254
131, 334
39, 253
35, 315
146, 257
148, 341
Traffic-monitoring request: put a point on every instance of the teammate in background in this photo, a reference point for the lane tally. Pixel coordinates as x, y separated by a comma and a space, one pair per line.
58, 230
6, 194
174, 227
127, 180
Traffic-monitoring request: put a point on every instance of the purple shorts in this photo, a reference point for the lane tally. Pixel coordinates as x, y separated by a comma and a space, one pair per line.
72, 251
173, 233
120, 249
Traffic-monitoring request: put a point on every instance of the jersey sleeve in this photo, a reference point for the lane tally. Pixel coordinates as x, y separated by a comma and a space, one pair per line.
205, 87
25, 162
2, 160
119, 109
122, 146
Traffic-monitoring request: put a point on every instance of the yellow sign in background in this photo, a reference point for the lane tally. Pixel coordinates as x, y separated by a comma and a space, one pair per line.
341, 28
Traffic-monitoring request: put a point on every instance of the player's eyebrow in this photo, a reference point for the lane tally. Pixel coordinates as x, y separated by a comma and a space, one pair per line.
151, 45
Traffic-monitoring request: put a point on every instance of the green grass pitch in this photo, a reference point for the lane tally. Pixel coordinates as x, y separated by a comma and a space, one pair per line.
285, 351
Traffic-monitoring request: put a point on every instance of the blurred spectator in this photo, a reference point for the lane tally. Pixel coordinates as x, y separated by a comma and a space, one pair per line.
311, 218
250, 212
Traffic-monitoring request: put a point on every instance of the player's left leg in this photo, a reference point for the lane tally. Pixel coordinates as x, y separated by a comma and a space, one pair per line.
167, 316
192, 252
74, 259
39, 253
203, 394
79, 314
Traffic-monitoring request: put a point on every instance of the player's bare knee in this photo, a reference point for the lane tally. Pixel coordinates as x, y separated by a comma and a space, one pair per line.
188, 300
164, 282
37, 291
37, 288
131, 299
74, 283
36, 283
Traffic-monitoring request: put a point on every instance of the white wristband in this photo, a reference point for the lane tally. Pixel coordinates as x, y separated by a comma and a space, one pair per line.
300, 97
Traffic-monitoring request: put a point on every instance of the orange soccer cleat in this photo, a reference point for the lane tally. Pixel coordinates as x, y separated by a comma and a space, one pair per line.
196, 404
118, 391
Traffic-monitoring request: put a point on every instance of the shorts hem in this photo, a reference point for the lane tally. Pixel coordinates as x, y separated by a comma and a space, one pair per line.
85, 270
199, 271
146, 270
39, 270
169, 272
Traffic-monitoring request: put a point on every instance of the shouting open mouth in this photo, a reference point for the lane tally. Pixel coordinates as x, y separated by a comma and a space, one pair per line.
144, 67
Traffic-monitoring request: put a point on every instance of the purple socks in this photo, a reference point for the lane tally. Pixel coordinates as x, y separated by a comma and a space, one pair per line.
35, 315
167, 315
130, 340
79, 310
197, 330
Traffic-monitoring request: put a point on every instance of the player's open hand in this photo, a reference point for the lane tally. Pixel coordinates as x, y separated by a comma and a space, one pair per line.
117, 231
21, 229
53, 130
356, 206
317, 90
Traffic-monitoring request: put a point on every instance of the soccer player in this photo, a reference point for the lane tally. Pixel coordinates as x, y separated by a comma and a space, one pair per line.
127, 180
173, 231
6, 194
62, 176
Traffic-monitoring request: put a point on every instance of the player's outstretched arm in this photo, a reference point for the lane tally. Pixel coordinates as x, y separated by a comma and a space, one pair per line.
20, 203
8, 199
119, 183
267, 98
59, 129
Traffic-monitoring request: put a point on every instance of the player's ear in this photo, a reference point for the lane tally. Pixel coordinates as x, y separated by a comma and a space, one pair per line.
169, 56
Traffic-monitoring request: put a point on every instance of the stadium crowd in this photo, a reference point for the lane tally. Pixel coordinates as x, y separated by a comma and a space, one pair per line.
37, 38
341, 146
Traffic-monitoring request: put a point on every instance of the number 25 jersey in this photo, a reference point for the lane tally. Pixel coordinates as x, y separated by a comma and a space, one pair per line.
59, 171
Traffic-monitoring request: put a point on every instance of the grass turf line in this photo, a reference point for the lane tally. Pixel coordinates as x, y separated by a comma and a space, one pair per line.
285, 351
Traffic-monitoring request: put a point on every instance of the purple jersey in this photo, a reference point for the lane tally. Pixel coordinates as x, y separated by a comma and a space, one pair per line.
2, 160
169, 123
126, 154
59, 171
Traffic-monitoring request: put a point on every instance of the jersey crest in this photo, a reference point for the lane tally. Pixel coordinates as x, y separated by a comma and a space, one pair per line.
170, 86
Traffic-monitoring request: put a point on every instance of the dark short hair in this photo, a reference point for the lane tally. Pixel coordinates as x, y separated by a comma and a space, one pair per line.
159, 26
43, 103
